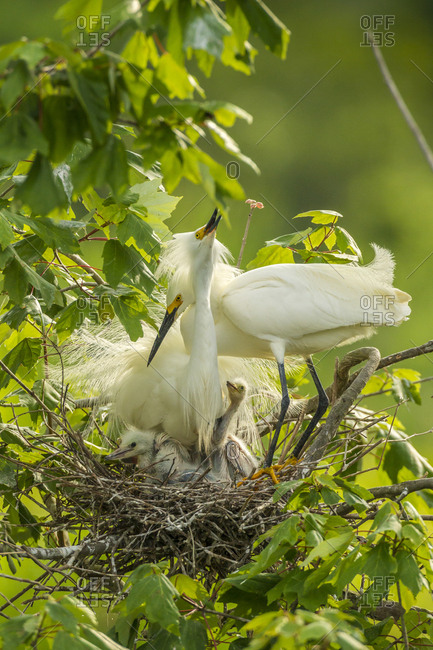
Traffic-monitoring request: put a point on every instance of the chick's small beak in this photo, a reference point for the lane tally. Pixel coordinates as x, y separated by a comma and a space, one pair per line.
120, 453
168, 320
230, 385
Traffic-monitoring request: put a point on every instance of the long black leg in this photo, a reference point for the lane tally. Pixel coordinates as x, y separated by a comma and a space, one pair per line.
285, 401
321, 408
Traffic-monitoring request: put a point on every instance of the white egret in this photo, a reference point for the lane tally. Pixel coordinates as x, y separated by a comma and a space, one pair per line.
202, 402
169, 396
163, 458
287, 309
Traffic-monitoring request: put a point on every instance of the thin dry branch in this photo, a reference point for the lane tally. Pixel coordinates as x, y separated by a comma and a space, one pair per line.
400, 490
410, 121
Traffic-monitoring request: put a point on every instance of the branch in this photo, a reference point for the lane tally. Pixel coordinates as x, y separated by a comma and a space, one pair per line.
389, 81
399, 490
79, 260
342, 406
93, 547
347, 362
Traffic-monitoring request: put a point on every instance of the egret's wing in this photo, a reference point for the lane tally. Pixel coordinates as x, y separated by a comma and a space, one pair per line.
293, 300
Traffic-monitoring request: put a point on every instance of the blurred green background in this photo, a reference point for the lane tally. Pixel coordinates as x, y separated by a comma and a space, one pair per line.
327, 135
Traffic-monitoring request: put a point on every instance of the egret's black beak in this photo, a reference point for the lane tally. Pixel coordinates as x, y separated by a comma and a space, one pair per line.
168, 320
213, 222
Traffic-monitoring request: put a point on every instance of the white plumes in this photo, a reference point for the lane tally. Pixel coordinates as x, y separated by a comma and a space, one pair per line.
102, 360
178, 255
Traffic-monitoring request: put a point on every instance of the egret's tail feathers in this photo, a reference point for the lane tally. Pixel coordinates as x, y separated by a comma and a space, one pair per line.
383, 264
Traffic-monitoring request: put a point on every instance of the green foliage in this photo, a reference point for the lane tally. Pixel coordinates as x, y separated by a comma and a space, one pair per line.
327, 242
94, 139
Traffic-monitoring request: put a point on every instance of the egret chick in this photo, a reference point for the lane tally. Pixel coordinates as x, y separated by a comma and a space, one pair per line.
162, 457
231, 457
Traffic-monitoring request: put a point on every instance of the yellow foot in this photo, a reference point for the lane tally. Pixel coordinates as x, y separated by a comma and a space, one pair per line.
292, 460
270, 471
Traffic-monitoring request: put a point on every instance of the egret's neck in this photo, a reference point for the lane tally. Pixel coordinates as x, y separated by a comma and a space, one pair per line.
202, 281
204, 328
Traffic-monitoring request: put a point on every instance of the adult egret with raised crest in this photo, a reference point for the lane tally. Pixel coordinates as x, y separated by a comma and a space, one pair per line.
280, 310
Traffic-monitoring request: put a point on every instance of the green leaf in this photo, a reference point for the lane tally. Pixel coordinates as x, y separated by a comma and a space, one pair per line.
153, 202
266, 25
13, 273
155, 592
130, 310
92, 93
64, 122
315, 631
378, 562
321, 216
226, 142
57, 234
116, 261
412, 533
291, 239
64, 641
409, 572
19, 136
193, 634
189, 587
134, 229
174, 77
25, 353
15, 282
106, 164
271, 255
61, 615
400, 453
387, 521
98, 639
6, 233
344, 240
329, 546
204, 30
283, 536
7, 473
28, 520
40, 190
18, 630
72, 317
70, 11
14, 85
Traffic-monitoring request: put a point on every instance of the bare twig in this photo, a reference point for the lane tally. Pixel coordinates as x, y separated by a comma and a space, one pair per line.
410, 121
91, 271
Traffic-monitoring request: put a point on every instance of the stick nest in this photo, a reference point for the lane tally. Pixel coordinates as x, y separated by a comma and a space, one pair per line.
200, 528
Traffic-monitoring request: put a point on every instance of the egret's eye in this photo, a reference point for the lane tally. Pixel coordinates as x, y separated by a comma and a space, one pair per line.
178, 298
197, 235
133, 444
